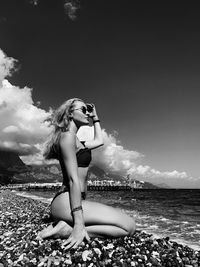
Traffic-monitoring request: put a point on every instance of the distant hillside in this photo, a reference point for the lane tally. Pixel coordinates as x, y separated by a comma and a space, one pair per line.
10, 164
40, 174
98, 173
13, 170
95, 173
8, 159
163, 185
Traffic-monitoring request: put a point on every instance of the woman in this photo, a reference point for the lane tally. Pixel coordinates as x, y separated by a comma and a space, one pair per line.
77, 218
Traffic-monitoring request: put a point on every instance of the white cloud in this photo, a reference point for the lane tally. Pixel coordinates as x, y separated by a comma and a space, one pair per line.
37, 158
173, 178
6, 66
22, 125
112, 156
115, 158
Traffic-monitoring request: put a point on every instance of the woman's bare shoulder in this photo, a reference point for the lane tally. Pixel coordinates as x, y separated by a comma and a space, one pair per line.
67, 139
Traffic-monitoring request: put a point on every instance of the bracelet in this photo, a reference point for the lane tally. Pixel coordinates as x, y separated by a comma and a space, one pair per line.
96, 121
76, 209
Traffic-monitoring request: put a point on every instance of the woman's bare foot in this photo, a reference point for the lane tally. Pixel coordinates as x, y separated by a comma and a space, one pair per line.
60, 230
44, 233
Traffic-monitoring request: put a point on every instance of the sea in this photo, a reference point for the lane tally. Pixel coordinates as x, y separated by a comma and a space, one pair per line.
173, 213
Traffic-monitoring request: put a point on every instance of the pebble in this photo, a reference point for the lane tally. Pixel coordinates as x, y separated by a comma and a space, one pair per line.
97, 251
85, 255
21, 220
133, 264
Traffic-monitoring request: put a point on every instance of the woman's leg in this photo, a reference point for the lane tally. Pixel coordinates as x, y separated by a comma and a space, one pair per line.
113, 221
62, 230
55, 230
100, 219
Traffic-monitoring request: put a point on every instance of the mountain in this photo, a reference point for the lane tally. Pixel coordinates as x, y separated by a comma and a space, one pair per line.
10, 164
95, 173
163, 185
13, 170
10, 160
40, 174
98, 173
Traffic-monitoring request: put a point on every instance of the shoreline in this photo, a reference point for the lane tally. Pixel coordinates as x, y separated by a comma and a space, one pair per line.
28, 194
22, 220
32, 196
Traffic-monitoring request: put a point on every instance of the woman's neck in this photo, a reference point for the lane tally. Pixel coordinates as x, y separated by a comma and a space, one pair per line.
73, 128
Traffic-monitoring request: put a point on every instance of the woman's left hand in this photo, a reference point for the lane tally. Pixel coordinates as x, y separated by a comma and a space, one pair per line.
93, 113
76, 237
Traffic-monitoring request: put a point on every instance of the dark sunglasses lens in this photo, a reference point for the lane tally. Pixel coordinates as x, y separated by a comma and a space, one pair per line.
89, 108
84, 110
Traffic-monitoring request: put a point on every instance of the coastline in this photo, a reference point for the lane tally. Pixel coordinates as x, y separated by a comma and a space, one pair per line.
22, 220
153, 229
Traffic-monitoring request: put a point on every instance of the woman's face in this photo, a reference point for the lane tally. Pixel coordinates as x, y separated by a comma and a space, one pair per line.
80, 115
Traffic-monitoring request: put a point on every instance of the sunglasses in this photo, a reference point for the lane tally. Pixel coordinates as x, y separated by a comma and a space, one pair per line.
88, 108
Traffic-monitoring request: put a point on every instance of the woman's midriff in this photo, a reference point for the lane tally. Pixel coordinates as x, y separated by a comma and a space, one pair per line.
56, 205
82, 175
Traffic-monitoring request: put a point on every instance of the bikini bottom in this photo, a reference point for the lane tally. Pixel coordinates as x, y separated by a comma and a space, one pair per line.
64, 189
83, 194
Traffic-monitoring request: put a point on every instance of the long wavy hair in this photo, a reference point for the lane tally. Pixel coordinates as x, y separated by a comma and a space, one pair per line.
60, 122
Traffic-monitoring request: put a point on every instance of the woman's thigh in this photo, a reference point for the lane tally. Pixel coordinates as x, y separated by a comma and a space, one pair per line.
60, 208
94, 213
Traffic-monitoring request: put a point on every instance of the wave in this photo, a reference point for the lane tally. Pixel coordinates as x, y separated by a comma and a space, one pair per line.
35, 197
184, 232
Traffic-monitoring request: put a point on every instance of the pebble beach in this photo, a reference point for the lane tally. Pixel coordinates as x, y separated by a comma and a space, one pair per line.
22, 218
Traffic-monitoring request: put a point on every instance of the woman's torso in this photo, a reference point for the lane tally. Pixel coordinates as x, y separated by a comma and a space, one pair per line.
83, 155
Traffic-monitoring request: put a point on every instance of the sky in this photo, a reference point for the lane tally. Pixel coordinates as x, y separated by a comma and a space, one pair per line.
138, 61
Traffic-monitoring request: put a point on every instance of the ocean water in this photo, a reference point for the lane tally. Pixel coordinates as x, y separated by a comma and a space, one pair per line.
164, 212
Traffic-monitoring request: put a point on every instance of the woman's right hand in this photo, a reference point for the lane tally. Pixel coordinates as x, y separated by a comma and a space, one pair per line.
93, 113
77, 236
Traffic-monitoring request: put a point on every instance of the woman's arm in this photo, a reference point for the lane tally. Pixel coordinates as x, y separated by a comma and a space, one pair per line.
98, 137
67, 145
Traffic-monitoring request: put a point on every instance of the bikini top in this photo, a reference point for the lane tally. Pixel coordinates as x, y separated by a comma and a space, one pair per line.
83, 156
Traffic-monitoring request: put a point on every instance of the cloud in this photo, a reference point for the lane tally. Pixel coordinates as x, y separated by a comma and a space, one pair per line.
37, 158
7, 65
34, 2
22, 125
113, 157
70, 7
173, 178
152, 173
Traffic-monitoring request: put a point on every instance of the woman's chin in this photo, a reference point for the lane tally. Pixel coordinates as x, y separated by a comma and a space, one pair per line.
85, 123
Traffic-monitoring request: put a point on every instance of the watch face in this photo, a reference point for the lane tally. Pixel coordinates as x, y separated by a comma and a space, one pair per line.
89, 107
